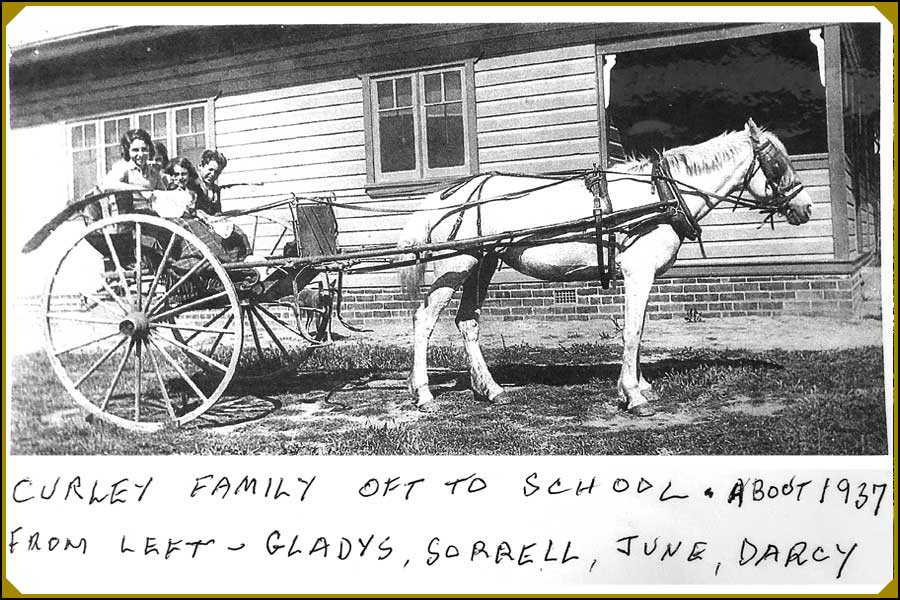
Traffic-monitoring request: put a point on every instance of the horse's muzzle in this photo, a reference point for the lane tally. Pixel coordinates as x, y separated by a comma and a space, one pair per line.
799, 209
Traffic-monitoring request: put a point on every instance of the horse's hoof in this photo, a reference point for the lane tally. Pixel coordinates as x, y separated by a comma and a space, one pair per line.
642, 410
500, 398
427, 407
650, 394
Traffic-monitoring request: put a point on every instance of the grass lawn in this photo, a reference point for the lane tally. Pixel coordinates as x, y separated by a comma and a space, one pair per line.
351, 400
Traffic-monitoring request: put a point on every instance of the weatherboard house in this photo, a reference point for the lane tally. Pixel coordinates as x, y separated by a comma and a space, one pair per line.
379, 115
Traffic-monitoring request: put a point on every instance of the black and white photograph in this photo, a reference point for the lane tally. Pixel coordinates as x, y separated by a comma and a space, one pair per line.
357, 233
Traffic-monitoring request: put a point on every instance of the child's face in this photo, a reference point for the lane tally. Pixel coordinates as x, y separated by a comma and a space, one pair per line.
210, 172
180, 176
139, 152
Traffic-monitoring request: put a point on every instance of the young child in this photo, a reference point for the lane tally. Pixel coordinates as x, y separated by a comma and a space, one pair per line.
160, 161
179, 173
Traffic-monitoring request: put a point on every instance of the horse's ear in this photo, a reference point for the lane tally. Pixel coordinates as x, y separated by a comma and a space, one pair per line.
755, 133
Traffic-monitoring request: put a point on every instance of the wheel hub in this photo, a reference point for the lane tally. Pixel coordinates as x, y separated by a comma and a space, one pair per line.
135, 325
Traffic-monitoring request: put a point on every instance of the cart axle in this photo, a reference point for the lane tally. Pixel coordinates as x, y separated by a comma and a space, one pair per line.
135, 325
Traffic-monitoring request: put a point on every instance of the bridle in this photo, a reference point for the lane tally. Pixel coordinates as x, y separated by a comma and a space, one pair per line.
782, 182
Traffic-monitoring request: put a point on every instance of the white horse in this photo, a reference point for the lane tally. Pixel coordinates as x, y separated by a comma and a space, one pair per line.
752, 161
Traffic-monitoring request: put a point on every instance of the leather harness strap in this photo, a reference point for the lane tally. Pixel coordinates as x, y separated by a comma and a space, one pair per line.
596, 182
680, 216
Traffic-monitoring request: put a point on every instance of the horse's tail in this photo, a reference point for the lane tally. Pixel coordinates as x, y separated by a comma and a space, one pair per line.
415, 233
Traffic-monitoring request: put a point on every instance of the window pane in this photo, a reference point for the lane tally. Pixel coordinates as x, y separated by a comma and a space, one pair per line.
452, 86
191, 147
385, 94
90, 135
433, 88
114, 129
112, 154
145, 124
404, 92
77, 136
182, 124
85, 169
110, 133
444, 125
159, 125
197, 120
397, 143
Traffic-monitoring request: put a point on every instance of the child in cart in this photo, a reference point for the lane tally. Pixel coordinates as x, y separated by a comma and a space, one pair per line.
225, 239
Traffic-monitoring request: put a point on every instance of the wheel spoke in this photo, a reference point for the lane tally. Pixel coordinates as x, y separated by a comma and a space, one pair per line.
186, 307
103, 304
179, 369
162, 384
269, 331
219, 337
88, 343
119, 270
278, 320
139, 269
113, 294
196, 353
69, 317
210, 322
138, 373
177, 285
160, 269
252, 322
115, 381
199, 330
99, 362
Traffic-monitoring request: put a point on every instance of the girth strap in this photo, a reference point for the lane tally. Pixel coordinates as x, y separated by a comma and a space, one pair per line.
595, 181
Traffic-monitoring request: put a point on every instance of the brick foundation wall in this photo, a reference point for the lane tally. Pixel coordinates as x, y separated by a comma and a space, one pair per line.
812, 295
712, 297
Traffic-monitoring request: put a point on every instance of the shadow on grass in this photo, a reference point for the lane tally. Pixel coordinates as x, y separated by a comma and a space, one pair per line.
511, 374
525, 374
238, 410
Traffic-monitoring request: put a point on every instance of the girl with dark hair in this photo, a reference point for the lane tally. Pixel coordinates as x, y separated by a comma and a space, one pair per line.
134, 172
180, 174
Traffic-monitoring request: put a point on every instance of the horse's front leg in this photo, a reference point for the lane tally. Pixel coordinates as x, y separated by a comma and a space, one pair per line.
645, 386
638, 277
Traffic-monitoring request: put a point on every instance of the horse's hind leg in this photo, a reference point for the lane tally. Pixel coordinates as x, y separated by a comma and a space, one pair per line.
449, 275
467, 317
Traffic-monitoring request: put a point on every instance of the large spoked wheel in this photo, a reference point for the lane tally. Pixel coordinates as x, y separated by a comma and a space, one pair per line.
132, 307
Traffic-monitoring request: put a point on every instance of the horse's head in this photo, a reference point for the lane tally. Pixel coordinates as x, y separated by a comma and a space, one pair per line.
772, 179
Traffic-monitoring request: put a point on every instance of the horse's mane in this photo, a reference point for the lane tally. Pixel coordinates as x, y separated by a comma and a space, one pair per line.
700, 158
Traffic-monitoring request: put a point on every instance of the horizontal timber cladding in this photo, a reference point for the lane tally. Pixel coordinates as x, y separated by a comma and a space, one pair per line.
537, 113
291, 121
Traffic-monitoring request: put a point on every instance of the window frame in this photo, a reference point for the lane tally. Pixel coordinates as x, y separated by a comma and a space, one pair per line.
133, 116
380, 183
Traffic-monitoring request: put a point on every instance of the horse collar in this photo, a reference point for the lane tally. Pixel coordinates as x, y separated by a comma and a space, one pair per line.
680, 216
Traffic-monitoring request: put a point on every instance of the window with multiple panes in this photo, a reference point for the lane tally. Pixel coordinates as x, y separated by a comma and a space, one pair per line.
94, 144
420, 124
